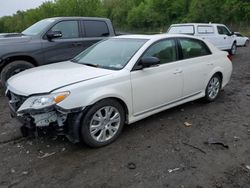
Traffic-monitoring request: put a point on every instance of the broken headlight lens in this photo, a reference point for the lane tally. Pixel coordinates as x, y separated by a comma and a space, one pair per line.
43, 101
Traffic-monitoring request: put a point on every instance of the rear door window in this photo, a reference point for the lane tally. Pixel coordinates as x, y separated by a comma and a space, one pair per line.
95, 28
205, 29
192, 48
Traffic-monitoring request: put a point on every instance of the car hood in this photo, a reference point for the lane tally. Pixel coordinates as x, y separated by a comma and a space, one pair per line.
13, 38
47, 78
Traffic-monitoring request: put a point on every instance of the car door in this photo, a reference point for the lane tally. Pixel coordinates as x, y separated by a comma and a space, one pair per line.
65, 47
157, 86
197, 64
225, 39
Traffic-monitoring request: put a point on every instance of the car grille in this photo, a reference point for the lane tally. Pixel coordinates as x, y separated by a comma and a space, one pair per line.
15, 100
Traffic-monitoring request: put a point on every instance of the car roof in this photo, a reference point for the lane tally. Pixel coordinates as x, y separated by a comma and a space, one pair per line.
155, 37
196, 24
78, 18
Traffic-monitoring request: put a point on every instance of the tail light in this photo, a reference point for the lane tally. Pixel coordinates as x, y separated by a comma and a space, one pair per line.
230, 57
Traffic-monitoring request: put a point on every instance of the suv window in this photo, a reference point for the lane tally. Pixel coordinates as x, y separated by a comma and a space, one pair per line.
69, 29
223, 30
96, 29
205, 29
182, 29
193, 48
165, 50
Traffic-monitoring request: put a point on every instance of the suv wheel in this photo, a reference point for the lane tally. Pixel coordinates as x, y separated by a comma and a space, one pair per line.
233, 49
102, 123
213, 88
12, 69
246, 43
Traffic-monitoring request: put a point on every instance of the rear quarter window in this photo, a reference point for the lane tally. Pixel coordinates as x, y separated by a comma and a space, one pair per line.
192, 48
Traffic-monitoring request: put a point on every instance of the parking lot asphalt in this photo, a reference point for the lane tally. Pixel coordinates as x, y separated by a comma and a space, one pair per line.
195, 145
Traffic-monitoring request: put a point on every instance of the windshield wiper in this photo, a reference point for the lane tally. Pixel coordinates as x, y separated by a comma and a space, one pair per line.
90, 64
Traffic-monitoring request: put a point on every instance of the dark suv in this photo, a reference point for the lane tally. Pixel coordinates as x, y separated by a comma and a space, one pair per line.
48, 41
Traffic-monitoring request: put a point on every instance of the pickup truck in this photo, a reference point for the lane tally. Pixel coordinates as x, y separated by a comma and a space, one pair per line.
49, 41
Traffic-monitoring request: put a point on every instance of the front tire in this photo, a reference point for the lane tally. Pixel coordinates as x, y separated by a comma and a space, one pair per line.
213, 88
13, 68
102, 123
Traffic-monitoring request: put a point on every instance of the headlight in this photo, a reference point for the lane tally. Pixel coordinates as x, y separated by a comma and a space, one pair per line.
43, 101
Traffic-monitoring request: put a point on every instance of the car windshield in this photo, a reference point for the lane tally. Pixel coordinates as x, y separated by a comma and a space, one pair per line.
111, 54
38, 27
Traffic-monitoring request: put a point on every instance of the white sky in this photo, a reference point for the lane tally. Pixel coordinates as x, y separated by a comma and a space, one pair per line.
9, 7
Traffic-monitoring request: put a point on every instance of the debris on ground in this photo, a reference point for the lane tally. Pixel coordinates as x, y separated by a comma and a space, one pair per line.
218, 185
131, 166
46, 155
187, 124
12, 171
195, 147
212, 141
25, 172
173, 170
248, 167
236, 138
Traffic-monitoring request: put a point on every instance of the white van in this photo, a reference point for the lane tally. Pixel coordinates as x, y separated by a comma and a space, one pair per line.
217, 34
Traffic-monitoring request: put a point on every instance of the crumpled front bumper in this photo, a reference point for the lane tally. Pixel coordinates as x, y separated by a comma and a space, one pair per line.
67, 121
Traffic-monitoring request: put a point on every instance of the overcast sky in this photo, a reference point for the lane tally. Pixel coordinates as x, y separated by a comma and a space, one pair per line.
9, 7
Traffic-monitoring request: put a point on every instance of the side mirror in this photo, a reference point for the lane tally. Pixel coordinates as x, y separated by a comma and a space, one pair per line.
231, 34
149, 61
54, 34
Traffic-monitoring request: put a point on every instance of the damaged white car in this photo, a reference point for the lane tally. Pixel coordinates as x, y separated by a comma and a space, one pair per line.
115, 82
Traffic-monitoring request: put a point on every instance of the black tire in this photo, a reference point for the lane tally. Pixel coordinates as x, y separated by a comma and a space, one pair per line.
12, 69
85, 134
211, 98
233, 49
246, 43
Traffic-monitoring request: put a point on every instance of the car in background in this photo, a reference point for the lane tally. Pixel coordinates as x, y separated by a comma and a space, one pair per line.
117, 81
241, 39
217, 34
49, 41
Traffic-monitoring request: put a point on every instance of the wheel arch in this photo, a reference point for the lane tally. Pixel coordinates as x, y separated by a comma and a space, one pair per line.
10, 59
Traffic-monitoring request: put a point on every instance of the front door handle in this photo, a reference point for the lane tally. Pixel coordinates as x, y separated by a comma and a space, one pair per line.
210, 64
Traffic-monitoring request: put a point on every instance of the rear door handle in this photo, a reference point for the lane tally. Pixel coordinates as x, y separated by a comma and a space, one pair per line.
76, 44
210, 64
178, 71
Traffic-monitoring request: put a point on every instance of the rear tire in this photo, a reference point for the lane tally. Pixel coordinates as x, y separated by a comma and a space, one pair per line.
102, 123
246, 43
13, 68
213, 88
233, 49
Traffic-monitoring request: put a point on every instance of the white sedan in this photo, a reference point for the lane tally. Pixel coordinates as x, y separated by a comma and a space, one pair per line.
118, 81
241, 39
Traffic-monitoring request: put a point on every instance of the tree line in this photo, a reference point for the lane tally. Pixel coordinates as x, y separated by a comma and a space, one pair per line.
140, 15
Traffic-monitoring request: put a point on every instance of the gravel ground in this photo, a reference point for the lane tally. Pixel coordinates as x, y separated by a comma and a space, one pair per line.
159, 151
